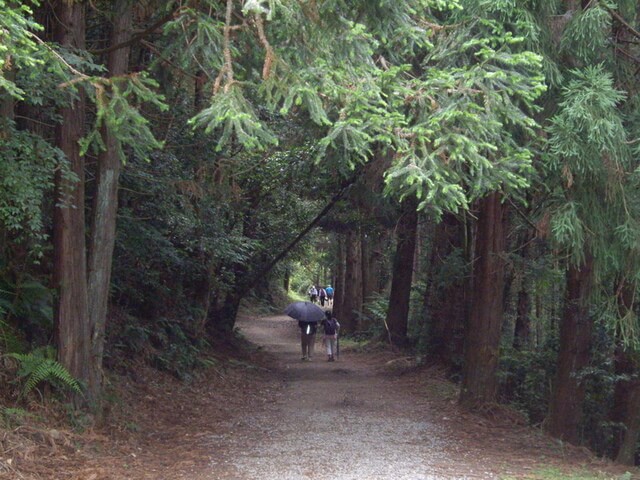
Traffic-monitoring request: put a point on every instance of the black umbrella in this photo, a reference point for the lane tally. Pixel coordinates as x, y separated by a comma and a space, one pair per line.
305, 312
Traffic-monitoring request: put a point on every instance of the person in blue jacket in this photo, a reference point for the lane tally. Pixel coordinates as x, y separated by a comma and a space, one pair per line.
329, 291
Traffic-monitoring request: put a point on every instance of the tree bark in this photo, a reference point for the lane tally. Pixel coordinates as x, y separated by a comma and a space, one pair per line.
627, 452
73, 336
626, 396
482, 335
522, 328
339, 281
402, 274
446, 317
565, 408
105, 206
352, 288
368, 266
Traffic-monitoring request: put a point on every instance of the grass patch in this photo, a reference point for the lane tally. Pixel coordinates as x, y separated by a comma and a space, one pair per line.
553, 473
353, 344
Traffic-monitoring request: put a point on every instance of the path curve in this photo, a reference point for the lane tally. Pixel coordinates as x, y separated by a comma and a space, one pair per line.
339, 420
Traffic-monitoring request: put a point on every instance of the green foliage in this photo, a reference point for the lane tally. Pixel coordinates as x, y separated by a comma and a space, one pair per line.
26, 176
525, 379
117, 102
588, 152
554, 473
17, 43
178, 354
235, 118
9, 339
26, 311
587, 37
371, 321
468, 117
40, 366
12, 417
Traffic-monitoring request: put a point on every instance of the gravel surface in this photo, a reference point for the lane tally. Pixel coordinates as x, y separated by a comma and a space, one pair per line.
340, 420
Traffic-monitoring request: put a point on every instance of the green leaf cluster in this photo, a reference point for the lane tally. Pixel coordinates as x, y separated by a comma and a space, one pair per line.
40, 366
17, 44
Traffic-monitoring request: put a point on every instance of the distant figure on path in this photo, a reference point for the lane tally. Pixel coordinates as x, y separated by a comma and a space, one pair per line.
329, 291
331, 329
323, 296
307, 338
313, 294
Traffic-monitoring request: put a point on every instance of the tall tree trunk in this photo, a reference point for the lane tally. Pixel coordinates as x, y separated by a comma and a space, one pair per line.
402, 274
482, 335
565, 408
522, 328
222, 314
629, 446
626, 397
105, 206
368, 266
339, 281
286, 279
446, 317
73, 335
352, 298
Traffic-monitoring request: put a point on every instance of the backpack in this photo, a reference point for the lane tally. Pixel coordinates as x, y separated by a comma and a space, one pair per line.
330, 326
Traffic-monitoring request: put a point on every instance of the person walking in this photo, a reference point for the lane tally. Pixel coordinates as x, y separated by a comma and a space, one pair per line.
329, 291
307, 338
322, 293
313, 293
331, 328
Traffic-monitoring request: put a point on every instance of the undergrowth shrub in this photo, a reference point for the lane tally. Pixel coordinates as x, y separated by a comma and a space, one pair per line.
39, 366
371, 321
177, 352
525, 379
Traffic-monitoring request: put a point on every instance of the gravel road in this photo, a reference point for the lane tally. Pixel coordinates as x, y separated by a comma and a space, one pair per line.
340, 420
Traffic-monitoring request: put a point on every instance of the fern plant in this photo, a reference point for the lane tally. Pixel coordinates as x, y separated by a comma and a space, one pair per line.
40, 366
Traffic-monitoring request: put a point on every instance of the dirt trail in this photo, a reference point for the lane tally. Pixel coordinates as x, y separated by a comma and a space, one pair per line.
338, 420
355, 420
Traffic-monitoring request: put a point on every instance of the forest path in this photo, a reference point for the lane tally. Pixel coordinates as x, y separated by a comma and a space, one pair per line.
334, 420
359, 418
262, 413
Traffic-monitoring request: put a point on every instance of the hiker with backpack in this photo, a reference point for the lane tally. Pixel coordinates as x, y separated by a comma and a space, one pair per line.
331, 328
329, 291
313, 293
322, 293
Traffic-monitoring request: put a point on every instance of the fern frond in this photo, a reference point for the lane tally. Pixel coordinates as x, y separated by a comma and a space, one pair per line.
51, 371
38, 366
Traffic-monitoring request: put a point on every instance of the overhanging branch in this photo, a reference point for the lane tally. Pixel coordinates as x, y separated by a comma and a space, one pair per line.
258, 277
138, 36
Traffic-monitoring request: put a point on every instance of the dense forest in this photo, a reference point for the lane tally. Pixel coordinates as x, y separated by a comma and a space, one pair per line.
463, 172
